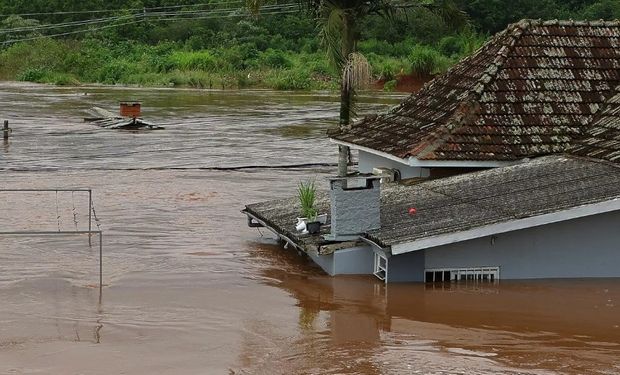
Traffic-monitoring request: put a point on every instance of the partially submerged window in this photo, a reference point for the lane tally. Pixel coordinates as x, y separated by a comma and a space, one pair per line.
476, 274
381, 266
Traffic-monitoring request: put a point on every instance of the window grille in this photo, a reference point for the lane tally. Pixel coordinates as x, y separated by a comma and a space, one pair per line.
473, 275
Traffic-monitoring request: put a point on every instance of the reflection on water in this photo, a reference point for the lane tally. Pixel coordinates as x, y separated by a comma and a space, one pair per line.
569, 326
190, 289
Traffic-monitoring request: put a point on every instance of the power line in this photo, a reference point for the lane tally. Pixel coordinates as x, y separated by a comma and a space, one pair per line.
65, 24
169, 16
111, 10
136, 15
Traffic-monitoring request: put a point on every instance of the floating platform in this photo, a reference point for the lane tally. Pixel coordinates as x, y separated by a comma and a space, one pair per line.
106, 119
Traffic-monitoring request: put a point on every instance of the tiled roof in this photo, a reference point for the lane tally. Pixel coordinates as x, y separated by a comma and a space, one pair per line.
460, 203
455, 204
602, 140
531, 90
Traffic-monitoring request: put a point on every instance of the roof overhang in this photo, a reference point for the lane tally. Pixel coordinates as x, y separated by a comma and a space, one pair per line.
415, 162
274, 231
509, 226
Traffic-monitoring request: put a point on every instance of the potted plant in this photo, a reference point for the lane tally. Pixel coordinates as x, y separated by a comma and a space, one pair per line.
307, 195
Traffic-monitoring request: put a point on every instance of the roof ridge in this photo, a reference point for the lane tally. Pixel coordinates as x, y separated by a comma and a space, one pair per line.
601, 111
429, 85
468, 107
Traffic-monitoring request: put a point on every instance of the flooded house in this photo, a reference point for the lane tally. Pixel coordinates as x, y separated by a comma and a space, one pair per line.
505, 167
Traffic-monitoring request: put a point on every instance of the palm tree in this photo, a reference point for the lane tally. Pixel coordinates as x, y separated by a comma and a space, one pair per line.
339, 21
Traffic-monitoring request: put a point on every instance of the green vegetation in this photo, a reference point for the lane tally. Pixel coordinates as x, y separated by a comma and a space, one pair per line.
275, 50
306, 192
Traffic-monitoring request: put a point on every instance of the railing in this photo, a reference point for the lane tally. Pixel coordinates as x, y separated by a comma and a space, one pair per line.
90, 232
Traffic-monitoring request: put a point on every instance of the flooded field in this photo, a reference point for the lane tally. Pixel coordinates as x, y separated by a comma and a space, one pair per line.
190, 289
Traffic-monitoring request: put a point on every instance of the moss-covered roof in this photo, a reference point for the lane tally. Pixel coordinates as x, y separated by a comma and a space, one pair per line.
456, 204
532, 90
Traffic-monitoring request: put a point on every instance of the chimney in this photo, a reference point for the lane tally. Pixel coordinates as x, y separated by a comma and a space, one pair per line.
130, 109
355, 206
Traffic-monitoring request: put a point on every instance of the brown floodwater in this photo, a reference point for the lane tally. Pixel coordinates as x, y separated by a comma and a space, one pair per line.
190, 289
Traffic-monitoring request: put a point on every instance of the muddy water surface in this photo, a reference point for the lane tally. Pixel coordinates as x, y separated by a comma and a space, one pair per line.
189, 289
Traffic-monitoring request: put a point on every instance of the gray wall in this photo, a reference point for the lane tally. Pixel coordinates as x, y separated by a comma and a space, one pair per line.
326, 262
586, 247
368, 161
406, 267
353, 261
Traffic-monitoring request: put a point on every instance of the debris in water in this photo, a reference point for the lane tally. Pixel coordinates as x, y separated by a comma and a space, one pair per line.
128, 120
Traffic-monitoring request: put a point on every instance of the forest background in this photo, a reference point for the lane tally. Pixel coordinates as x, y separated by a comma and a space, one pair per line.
219, 44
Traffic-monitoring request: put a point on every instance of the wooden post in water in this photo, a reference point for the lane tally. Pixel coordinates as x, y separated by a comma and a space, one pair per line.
6, 130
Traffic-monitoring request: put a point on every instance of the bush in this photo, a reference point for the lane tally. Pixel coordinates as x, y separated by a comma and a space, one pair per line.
426, 60
117, 71
32, 75
450, 46
380, 47
240, 57
289, 80
201, 60
43, 54
275, 59
62, 79
390, 85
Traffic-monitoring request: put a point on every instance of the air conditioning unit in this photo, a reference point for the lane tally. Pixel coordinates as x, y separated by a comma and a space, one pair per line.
387, 174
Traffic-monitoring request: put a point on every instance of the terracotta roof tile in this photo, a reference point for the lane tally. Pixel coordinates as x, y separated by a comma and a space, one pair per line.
532, 89
602, 140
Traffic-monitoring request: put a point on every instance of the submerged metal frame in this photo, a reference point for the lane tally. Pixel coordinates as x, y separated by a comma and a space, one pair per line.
90, 232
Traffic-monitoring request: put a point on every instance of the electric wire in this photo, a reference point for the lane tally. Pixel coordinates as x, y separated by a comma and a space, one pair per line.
167, 16
65, 24
114, 10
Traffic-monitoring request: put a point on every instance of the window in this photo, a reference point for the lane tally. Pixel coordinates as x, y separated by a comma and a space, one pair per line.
472, 275
381, 266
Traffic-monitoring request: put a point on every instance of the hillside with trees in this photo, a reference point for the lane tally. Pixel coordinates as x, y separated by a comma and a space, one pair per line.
223, 44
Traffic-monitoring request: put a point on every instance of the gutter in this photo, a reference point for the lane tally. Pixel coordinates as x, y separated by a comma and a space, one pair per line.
415, 162
386, 250
261, 223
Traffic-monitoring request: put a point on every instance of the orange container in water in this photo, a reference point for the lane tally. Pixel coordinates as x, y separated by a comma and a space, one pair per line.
130, 109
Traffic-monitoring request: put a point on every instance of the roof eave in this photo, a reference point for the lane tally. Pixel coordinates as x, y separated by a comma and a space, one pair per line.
264, 224
415, 162
509, 226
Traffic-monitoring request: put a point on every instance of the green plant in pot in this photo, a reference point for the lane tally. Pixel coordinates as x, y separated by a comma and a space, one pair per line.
306, 192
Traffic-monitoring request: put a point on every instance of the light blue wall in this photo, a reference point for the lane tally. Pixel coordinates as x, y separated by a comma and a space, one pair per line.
326, 262
354, 261
406, 267
586, 247
368, 161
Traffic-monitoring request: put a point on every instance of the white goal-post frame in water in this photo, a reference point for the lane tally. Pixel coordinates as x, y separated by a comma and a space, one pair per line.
90, 231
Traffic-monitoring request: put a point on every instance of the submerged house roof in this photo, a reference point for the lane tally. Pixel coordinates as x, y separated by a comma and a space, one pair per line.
532, 90
452, 209
542, 191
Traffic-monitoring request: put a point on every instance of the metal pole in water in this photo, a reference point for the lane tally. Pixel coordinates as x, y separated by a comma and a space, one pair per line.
6, 130
100, 264
90, 213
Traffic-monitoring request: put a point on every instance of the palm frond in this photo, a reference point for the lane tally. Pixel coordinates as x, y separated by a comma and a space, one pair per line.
357, 72
331, 35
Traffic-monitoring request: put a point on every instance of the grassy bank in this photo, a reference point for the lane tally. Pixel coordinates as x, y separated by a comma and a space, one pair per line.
71, 62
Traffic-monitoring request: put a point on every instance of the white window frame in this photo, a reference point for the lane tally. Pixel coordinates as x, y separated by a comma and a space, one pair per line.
381, 267
477, 274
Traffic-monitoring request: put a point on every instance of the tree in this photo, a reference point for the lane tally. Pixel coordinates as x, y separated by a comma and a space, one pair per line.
338, 22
